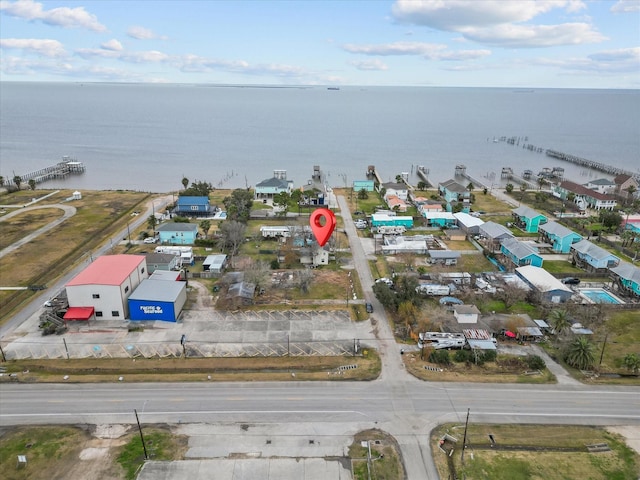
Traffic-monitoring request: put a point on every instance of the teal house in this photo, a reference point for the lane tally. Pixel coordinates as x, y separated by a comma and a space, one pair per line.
528, 219
520, 254
367, 185
454, 193
626, 278
172, 233
384, 220
560, 237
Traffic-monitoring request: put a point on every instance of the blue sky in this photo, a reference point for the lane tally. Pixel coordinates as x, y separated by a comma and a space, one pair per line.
477, 43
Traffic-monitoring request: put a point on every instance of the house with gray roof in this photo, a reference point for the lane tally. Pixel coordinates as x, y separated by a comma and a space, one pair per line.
560, 237
527, 219
520, 254
626, 278
546, 285
270, 187
494, 234
177, 233
592, 258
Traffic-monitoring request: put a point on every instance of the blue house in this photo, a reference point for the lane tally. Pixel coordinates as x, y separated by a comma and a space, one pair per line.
520, 254
528, 219
560, 237
177, 233
453, 192
592, 258
188, 206
271, 187
626, 277
367, 185
493, 234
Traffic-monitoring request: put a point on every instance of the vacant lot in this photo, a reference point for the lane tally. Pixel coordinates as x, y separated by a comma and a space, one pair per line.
530, 451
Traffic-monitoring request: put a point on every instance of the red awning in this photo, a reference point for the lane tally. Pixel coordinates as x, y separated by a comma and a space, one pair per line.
509, 334
79, 313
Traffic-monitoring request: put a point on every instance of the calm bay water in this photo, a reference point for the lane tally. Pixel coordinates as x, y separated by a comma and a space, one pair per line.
147, 137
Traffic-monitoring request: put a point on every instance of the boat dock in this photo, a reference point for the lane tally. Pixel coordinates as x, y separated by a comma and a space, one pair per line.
372, 172
507, 173
461, 171
423, 173
601, 167
58, 171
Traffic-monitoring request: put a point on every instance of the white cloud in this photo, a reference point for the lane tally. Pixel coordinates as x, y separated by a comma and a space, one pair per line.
113, 45
499, 22
428, 51
62, 16
626, 6
609, 62
141, 33
531, 36
369, 65
45, 48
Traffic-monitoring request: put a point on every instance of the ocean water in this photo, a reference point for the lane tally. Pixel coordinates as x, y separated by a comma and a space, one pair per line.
148, 137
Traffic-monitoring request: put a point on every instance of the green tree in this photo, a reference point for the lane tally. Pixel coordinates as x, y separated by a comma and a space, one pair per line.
205, 225
185, 182
152, 221
282, 200
238, 205
407, 312
198, 189
534, 362
363, 194
631, 361
399, 178
17, 180
509, 187
470, 186
571, 197
1, 181
32, 184
580, 353
386, 296
631, 189
421, 185
610, 220
441, 357
231, 236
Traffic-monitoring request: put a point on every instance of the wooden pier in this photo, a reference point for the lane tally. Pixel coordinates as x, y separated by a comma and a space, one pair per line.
423, 173
372, 172
461, 171
58, 171
601, 167
507, 173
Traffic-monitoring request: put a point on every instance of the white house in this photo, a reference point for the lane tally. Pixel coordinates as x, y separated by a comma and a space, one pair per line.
466, 313
106, 284
396, 188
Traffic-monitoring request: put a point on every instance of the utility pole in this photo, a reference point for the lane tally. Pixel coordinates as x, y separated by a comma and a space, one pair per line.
603, 345
144, 446
464, 439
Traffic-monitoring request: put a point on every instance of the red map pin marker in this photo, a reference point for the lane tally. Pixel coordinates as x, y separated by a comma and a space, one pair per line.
322, 232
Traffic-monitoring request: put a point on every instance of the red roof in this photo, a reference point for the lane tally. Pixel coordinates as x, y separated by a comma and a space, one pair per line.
108, 270
582, 190
79, 313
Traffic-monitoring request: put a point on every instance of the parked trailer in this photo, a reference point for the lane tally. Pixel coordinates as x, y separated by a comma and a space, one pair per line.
432, 289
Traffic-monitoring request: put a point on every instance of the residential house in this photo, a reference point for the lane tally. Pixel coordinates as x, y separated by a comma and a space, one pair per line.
314, 256
527, 219
393, 245
366, 185
399, 189
626, 278
584, 197
546, 285
592, 258
520, 253
395, 203
439, 219
384, 219
444, 257
560, 237
494, 234
602, 185
466, 313
424, 205
453, 193
623, 182
174, 233
271, 187
162, 261
469, 224
188, 206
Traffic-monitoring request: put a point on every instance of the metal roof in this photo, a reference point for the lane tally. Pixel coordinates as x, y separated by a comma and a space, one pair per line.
177, 227
192, 200
443, 254
557, 229
108, 270
541, 279
591, 249
627, 271
495, 230
528, 212
519, 249
482, 344
158, 290
468, 220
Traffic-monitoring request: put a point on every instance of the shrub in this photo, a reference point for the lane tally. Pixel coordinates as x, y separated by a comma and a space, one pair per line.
462, 356
441, 357
534, 362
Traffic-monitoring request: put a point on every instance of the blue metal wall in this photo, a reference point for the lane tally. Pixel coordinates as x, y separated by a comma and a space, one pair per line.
151, 310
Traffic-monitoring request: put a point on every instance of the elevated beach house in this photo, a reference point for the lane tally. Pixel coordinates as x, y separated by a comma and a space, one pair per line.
270, 187
454, 193
193, 206
584, 197
527, 219
560, 237
520, 254
626, 278
592, 258
494, 234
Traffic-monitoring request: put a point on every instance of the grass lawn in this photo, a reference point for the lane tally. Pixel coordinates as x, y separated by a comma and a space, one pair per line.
562, 266
553, 452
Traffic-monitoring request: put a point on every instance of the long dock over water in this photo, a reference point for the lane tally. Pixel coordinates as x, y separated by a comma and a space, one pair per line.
61, 170
610, 169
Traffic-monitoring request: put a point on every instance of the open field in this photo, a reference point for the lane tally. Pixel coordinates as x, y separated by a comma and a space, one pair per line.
533, 451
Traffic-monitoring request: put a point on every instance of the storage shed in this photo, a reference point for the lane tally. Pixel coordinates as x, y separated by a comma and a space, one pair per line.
215, 263
158, 300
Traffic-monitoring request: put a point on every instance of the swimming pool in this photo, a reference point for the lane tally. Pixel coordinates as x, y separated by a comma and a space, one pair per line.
599, 295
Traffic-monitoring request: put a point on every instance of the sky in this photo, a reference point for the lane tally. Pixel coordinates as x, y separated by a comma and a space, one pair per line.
453, 43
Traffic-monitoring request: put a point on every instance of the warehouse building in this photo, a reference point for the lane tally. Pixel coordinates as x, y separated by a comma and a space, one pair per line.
158, 300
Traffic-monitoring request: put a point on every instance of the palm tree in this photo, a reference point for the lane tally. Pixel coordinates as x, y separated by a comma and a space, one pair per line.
1, 181
205, 225
17, 180
580, 353
560, 321
185, 182
32, 184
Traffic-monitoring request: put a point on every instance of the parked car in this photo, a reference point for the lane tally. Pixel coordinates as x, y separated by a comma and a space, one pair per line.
150, 240
369, 307
571, 281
